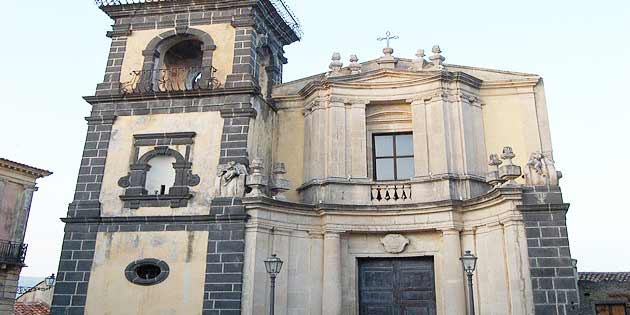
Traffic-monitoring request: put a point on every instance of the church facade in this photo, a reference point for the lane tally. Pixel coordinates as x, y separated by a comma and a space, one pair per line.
369, 180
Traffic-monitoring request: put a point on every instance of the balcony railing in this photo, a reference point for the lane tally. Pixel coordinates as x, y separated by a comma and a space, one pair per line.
390, 193
12, 253
171, 80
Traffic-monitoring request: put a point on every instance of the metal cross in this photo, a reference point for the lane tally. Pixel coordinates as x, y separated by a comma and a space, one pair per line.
388, 37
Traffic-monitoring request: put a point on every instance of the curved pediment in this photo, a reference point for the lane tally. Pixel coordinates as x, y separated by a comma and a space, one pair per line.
385, 79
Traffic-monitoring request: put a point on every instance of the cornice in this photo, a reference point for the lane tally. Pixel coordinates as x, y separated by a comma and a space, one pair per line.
24, 169
407, 79
527, 82
98, 99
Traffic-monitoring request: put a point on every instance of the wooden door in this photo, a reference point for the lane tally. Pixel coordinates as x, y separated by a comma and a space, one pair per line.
401, 286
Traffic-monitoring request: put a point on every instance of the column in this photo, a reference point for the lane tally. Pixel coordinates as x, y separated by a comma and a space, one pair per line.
420, 136
331, 297
454, 294
358, 144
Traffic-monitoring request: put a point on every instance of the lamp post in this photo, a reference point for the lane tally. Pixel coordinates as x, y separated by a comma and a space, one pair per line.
273, 265
49, 283
469, 262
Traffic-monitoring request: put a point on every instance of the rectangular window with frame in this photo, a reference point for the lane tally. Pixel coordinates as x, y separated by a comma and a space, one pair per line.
393, 156
610, 309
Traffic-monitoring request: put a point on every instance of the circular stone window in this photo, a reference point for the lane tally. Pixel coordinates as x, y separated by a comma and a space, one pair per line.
147, 271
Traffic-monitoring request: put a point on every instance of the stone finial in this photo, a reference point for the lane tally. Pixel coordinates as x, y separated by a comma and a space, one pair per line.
279, 183
257, 181
540, 170
419, 63
354, 66
493, 177
509, 171
437, 59
336, 64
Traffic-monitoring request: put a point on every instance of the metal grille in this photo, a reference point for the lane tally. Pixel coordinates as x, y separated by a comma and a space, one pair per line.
281, 7
12, 253
171, 80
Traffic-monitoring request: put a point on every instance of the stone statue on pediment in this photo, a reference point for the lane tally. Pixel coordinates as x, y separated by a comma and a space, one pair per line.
540, 170
230, 180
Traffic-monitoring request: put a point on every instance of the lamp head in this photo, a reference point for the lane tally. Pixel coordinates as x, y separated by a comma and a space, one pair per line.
469, 262
273, 265
50, 281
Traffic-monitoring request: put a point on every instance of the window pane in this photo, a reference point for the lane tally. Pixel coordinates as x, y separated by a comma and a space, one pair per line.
619, 309
385, 169
404, 145
602, 310
404, 168
384, 146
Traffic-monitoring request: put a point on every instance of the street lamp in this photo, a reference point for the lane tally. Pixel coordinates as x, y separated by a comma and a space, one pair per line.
273, 265
50, 281
469, 262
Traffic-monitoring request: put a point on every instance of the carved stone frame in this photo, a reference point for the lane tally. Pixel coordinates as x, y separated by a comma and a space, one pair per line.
136, 195
132, 276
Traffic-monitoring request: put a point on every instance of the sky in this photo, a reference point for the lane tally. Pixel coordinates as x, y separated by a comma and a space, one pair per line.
54, 52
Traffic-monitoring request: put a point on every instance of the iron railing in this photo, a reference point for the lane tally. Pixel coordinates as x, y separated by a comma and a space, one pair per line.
281, 7
171, 80
12, 253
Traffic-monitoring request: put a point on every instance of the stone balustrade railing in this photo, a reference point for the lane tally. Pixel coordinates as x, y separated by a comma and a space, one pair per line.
390, 193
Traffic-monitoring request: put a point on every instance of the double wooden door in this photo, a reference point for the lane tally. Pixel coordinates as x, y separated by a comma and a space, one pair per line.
401, 286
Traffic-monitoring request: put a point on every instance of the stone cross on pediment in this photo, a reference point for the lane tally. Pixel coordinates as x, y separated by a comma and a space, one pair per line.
388, 37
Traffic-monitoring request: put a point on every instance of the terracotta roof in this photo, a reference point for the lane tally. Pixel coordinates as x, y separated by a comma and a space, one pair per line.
38, 172
31, 309
604, 276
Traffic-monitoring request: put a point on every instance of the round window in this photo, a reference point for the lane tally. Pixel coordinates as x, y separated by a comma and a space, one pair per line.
147, 271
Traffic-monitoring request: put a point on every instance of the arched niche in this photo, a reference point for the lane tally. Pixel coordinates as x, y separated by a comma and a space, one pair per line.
150, 182
178, 60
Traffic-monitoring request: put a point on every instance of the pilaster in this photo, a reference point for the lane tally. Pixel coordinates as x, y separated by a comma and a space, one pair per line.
358, 136
453, 276
420, 138
331, 297
336, 138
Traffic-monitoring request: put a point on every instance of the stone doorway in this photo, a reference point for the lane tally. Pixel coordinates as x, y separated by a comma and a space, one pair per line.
397, 286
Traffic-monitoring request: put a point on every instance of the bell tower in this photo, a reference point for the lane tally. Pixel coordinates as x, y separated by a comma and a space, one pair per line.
186, 95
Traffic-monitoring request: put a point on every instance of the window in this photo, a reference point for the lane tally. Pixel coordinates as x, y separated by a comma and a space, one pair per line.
147, 271
393, 157
610, 309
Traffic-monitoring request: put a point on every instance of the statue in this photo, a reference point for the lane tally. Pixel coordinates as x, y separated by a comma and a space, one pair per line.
541, 171
230, 180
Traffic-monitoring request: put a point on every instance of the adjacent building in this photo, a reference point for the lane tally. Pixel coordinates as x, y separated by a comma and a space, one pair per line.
17, 185
370, 180
604, 293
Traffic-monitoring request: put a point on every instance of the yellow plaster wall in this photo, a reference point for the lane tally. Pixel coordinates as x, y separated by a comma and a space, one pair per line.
289, 148
222, 59
204, 157
510, 119
110, 293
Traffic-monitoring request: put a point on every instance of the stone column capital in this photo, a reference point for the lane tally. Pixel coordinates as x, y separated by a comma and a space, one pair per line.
429, 96
332, 234
358, 102
451, 231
